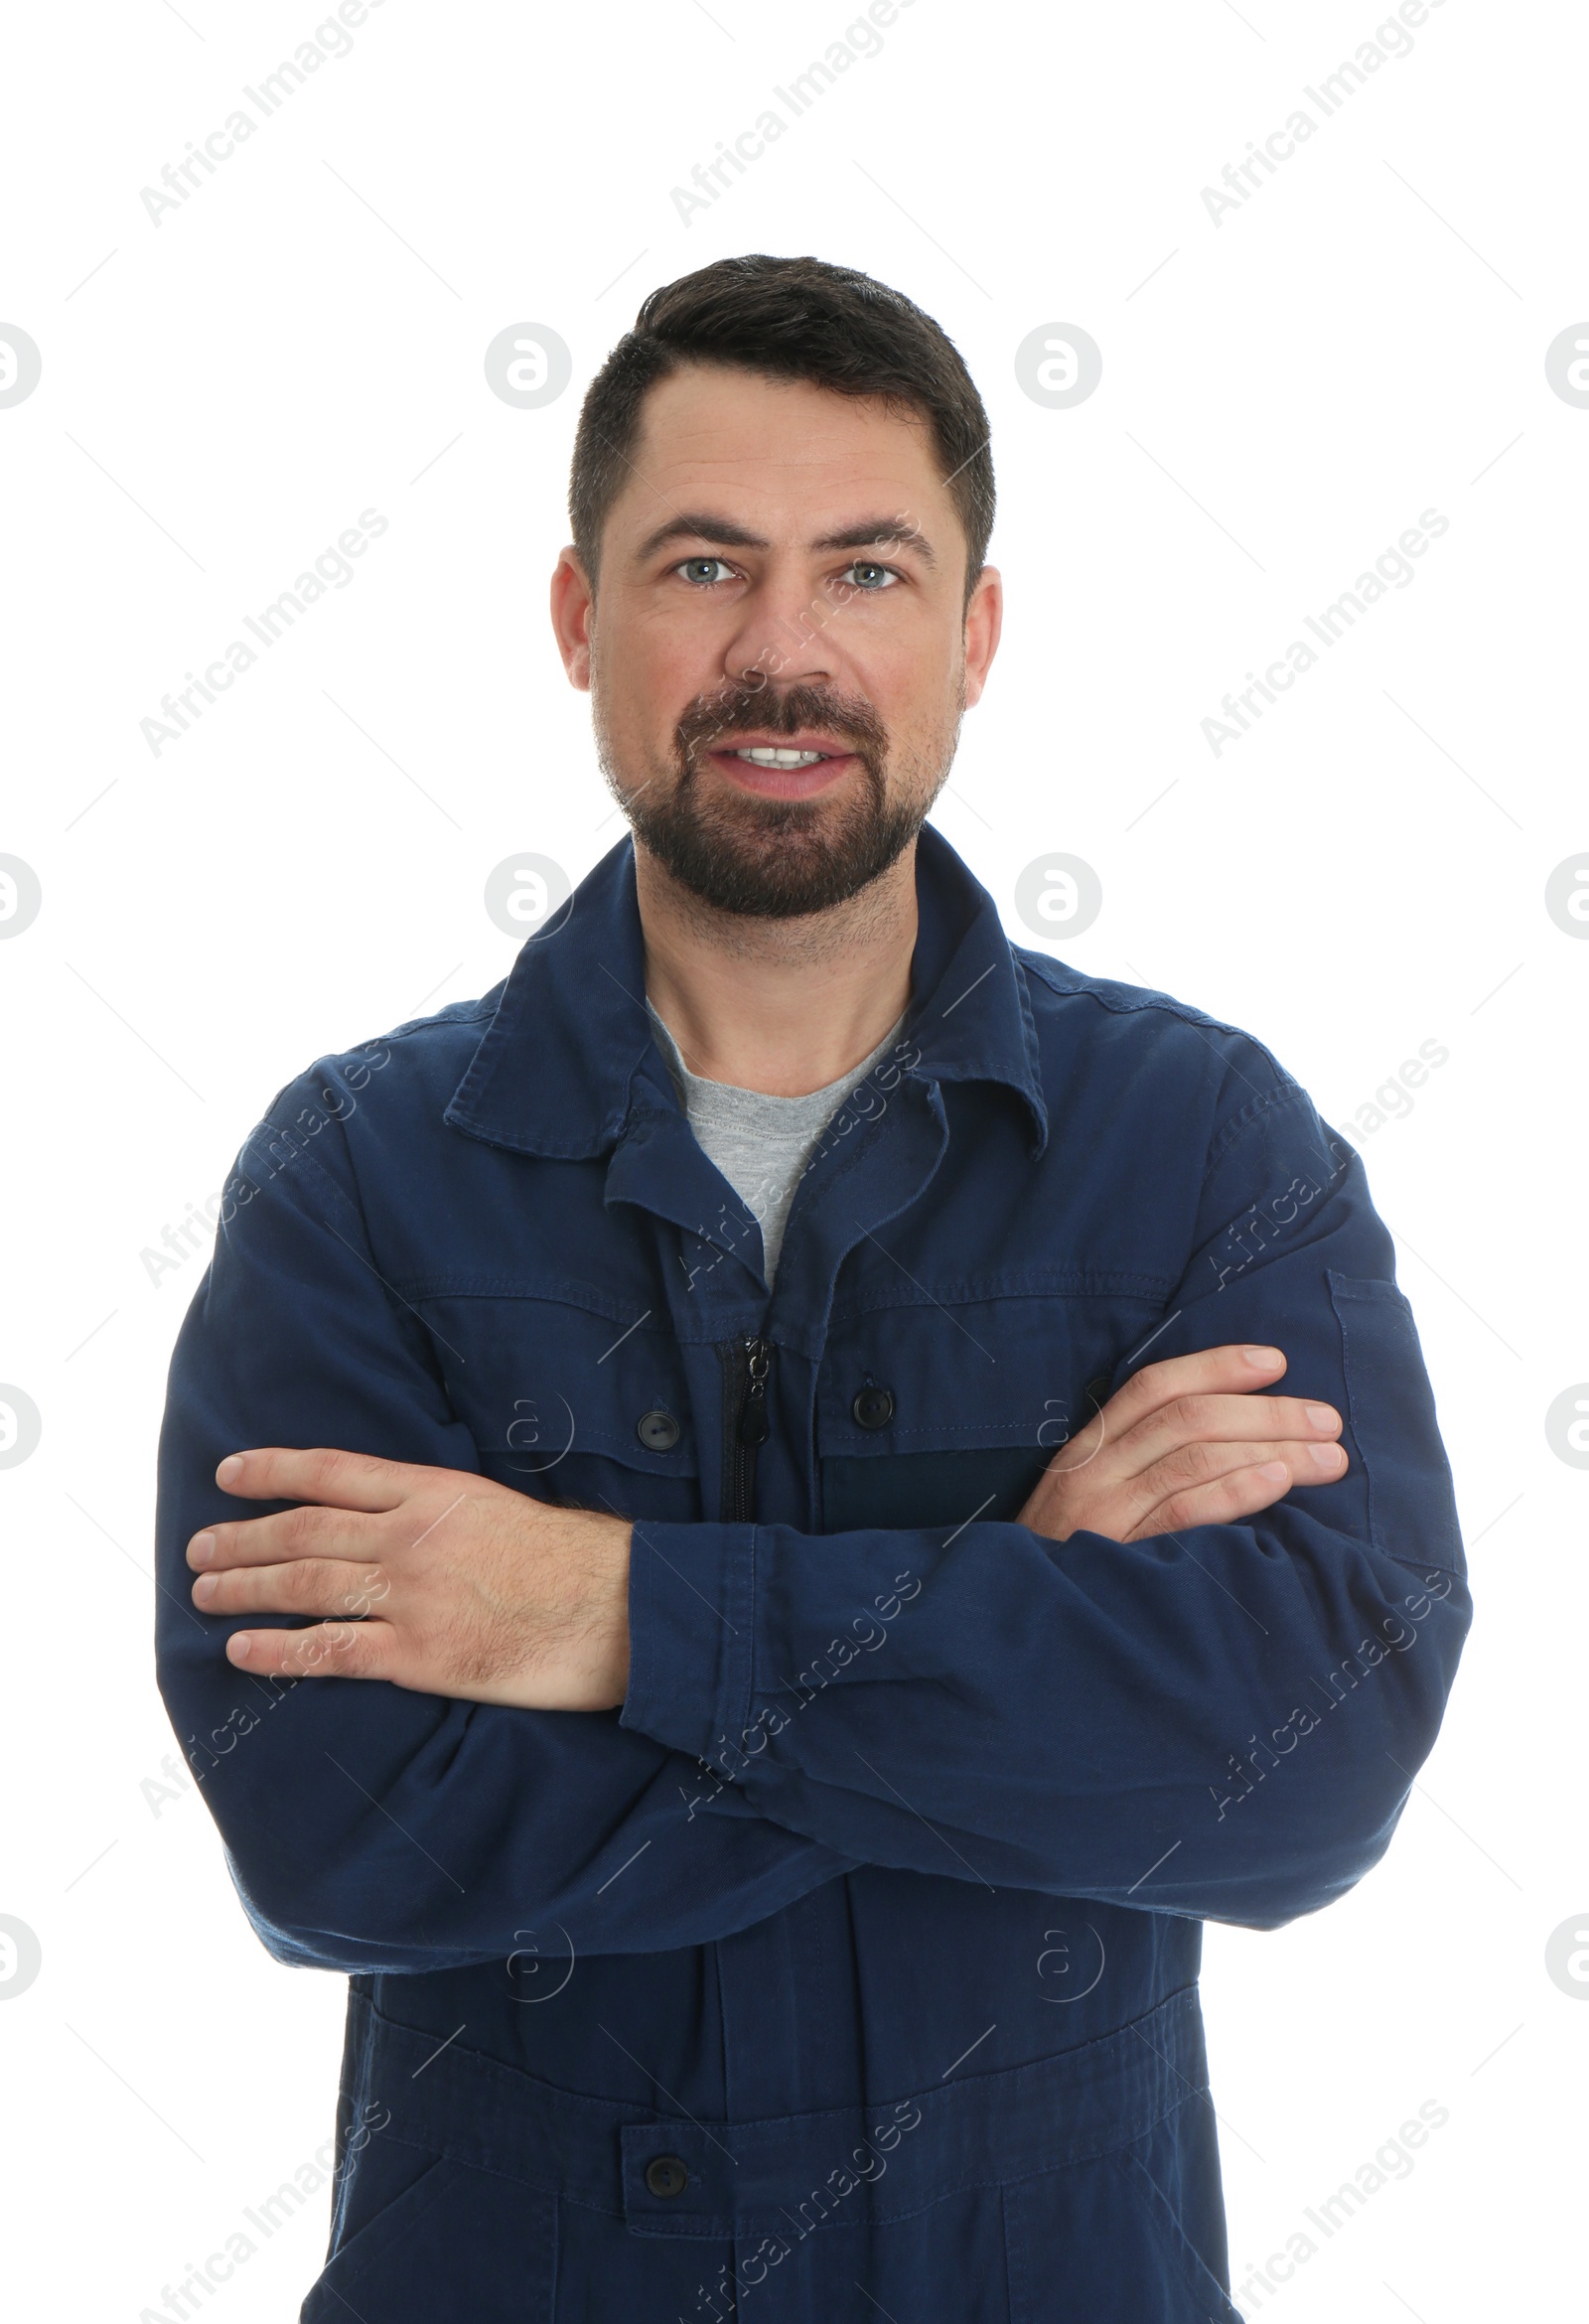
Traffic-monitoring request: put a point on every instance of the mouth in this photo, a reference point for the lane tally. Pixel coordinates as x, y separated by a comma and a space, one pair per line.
784, 765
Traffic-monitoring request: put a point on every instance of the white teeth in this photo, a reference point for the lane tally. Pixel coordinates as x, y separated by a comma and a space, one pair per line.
769, 758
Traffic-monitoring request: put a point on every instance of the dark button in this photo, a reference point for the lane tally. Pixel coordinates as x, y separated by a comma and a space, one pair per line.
667, 2175
657, 1430
1096, 1393
873, 1407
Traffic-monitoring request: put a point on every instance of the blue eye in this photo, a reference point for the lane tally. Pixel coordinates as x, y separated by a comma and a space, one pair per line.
886, 575
699, 580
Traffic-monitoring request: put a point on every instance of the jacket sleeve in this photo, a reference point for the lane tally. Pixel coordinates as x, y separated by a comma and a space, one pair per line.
369, 1826
1221, 1723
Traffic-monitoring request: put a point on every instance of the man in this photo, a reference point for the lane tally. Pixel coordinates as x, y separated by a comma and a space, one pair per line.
777, 1511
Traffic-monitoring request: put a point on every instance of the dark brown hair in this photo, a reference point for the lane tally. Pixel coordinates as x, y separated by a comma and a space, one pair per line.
786, 319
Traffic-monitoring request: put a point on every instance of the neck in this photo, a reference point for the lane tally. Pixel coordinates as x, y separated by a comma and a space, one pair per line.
784, 1006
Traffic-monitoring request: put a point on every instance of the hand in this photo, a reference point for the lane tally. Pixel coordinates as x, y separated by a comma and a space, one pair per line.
434, 1578
1187, 1443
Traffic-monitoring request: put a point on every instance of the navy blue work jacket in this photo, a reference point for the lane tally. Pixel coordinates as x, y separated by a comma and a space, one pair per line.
851, 1968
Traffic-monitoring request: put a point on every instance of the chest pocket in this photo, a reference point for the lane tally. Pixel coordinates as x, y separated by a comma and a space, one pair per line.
934, 1415
590, 1410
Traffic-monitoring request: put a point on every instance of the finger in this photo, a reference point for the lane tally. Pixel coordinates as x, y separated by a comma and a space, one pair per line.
1235, 1369
330, 1650
1191, 1466
336, 1480
309, 1585
1210, 1419
286, 1533
1188, 1418
1222, 1501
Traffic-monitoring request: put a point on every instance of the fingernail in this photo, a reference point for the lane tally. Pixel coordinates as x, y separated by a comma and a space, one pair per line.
1322, 1416
201, 1549
1328, 1456
237, 1646
1276, 1471
204, 1589
230, 1470
1261, 1357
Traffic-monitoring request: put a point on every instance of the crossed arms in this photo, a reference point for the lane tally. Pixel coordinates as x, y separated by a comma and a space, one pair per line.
1063, 1698
455, 1585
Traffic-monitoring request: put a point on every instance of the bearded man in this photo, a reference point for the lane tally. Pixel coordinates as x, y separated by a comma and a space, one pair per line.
758, 1525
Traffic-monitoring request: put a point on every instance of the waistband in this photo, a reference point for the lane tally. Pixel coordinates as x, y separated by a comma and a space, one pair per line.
840, 2167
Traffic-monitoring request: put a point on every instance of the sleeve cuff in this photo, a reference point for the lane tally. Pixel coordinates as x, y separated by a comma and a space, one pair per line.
691, 1635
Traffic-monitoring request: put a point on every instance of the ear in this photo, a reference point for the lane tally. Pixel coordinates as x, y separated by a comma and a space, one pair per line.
984, 619
573, 608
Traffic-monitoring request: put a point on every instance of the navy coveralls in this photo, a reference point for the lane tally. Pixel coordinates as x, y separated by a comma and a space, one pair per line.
851, 1968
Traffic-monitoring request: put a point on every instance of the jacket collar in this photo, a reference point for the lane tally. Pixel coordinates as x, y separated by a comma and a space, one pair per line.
555, 1070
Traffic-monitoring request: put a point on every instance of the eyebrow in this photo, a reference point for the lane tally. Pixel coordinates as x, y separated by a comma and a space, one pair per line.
723, 532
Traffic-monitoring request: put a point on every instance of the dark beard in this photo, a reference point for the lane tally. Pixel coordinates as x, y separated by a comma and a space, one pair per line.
776, 859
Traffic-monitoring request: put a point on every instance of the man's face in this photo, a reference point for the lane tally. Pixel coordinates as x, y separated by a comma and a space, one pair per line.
783, 573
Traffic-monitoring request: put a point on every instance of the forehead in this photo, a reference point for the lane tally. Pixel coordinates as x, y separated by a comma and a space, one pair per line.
730, 438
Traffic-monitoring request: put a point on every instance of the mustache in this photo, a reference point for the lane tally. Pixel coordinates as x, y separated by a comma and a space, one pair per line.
849, 717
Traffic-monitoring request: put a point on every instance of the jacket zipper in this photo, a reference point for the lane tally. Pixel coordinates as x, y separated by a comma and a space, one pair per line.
747, 1363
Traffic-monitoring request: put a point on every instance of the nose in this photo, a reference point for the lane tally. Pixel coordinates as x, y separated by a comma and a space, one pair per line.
782, 636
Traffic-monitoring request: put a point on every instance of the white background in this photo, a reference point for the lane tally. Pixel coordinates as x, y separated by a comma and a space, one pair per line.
1283, 393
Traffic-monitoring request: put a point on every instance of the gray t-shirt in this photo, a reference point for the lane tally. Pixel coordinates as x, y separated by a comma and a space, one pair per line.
760, 1143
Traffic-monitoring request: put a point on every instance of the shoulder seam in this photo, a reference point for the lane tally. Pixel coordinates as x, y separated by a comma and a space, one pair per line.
469, 1013
264, 1129
1122, 1004
1229, 1131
